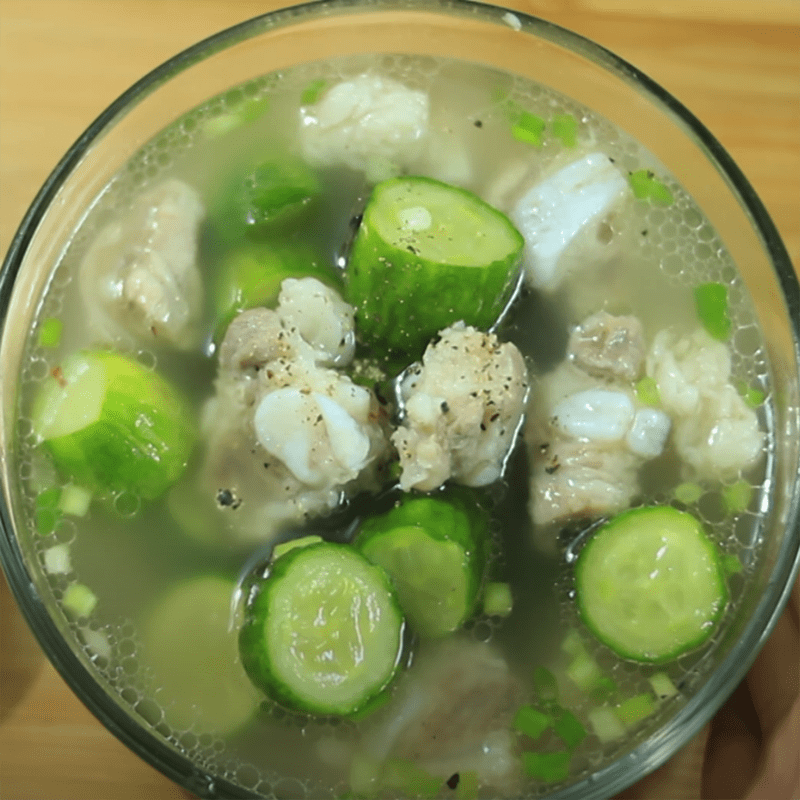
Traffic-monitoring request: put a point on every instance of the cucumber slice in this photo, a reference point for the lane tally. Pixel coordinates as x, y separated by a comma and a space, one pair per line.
434, 549
324, 632
112, 424
190, 649
251, 276
259, 198
425, 256
649, 584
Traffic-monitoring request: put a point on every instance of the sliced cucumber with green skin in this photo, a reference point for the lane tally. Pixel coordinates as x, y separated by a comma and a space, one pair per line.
649, 584
425, 256
251, 276
113, 425
191, 651
324, 632
257, 199
434, 549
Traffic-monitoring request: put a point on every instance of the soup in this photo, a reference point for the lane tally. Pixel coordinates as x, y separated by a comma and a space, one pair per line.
358, 403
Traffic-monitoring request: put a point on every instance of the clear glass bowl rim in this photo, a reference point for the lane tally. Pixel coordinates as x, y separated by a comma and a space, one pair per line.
648, 755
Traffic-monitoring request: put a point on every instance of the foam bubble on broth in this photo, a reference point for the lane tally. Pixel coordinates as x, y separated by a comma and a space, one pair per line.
676, 240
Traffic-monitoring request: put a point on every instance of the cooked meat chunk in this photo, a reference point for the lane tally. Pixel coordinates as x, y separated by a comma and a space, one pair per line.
321, 317
452, 713
254, 338
565, 219
587, 436
716, 432
288, 437
573, 480
139, 279
368, 123
463, 408
608, 347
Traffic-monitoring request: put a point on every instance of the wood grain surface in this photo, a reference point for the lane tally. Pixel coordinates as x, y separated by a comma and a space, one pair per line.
735, 63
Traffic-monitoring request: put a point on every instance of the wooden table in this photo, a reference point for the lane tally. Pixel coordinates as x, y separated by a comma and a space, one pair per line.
735, 63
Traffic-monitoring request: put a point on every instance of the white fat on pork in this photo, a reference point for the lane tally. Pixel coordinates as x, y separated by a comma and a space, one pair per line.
587, 434
565, 219
463, 406
451, 713
287, 437
716, 432
321, 317
368, 123
139, 279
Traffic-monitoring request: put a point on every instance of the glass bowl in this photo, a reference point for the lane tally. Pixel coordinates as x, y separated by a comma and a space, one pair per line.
505, 40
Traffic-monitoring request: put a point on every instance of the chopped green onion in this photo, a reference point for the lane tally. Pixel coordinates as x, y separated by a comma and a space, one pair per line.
75, 500
528, 128
285, 547
468, 786
584, 671
731, 564
254, 108
550, 767
545, 685
711, 303
688, 493
565, 127
569, 729
751, 395
248, 111
606, 724
662, 685
737, 497
56, 559
646, 186
406, 777
647, 392
48, 514
79, 600
313, 91
531, 721
602, 688
50, 332
635, 709
497, 600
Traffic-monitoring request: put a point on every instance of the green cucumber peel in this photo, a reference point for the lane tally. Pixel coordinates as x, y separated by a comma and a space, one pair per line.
262, 198
251, 275
425, 256
674, 591
191, 649
435, 551
112, 425
323, 633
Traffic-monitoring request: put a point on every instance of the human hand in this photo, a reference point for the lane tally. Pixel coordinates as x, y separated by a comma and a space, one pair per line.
751, 749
